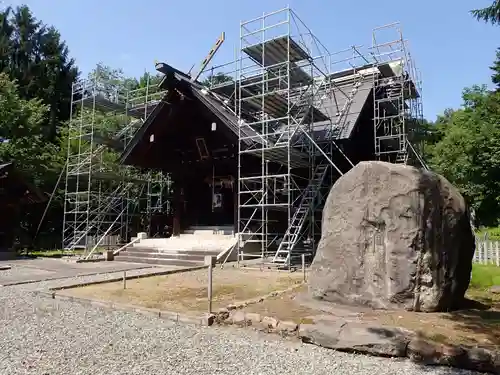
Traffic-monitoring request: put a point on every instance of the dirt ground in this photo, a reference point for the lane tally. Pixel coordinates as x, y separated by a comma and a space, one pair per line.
479, 327
187, 292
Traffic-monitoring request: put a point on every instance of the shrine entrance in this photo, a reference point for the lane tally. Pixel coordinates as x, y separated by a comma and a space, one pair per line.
210, 201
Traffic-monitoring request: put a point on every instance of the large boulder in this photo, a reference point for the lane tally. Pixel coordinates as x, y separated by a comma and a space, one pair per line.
393, 237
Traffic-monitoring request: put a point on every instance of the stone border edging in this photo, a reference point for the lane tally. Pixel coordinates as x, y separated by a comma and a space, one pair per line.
361, 338
93, 260
203, 320
5, 268
131, 277
69, 277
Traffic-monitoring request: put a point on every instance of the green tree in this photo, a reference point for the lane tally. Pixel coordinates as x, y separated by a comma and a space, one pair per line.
495, 77
21, 127
34, 55
20, 124
489, 14
216, 79
467, 151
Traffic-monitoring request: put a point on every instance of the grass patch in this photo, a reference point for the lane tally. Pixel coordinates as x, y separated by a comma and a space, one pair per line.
492, 233
484, 276
58, 253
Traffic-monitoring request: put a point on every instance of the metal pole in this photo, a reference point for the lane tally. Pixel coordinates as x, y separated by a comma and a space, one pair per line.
50, 201
124, 279
304, 266
210, 274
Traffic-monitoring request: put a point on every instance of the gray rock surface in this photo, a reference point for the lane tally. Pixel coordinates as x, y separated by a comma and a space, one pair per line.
357, 337
393, 237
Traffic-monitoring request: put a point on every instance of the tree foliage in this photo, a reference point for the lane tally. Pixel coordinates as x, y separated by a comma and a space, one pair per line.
21, 124
495, 77
34, 55
465, 148
216, 79
489, 14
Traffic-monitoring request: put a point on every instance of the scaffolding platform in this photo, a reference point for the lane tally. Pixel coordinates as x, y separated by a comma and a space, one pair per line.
271, 80
276, 51
277, 107
279, 155
100, 103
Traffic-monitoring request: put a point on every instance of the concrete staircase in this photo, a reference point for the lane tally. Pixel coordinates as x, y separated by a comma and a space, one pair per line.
187, 250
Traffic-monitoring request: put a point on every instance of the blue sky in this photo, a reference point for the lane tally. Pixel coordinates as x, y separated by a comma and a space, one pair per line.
451, 49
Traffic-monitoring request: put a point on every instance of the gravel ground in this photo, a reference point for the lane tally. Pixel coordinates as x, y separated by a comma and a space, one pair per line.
50, 337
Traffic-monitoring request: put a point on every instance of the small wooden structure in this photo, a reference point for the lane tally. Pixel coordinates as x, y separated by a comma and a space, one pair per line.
15, 193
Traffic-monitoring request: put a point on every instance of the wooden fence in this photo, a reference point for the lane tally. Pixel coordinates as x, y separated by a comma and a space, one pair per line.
487, 252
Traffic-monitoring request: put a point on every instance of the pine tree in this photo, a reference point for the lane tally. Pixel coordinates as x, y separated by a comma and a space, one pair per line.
496, 70
489, 14
35, 56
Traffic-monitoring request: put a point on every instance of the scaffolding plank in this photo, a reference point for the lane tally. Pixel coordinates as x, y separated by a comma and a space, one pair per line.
272, 79
275, 51
109, 176
279, 155
276, 106
103, 104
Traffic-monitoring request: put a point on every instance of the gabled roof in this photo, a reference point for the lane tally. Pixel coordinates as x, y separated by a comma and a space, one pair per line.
211, 100
139, 134
197, 92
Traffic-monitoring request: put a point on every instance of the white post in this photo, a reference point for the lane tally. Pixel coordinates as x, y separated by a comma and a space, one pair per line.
489, 253
304, 266
497, 248
210, 274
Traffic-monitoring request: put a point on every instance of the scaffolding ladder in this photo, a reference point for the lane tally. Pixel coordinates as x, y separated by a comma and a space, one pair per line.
292, 235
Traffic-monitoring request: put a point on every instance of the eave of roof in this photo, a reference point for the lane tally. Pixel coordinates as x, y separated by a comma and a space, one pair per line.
139, 134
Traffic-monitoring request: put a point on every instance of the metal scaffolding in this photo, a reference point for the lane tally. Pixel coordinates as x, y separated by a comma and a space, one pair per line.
299, 107
105, 202
283, 87
397, 102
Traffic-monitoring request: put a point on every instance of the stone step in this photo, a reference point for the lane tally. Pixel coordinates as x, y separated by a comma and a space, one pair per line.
200, 245
159, 261
164, 255
149, 250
